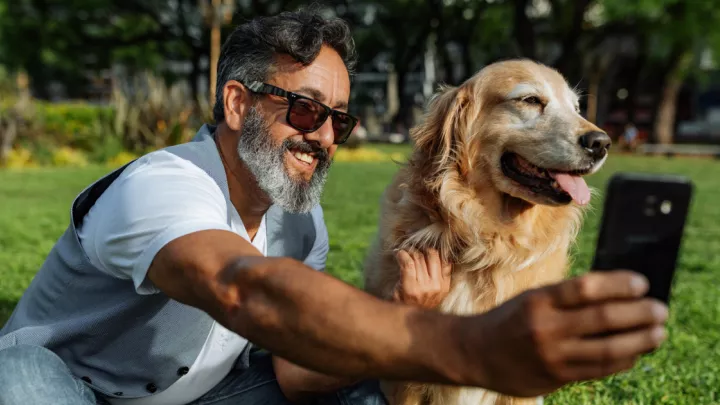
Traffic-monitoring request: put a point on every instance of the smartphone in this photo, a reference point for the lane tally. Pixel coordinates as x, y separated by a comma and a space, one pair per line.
642, 227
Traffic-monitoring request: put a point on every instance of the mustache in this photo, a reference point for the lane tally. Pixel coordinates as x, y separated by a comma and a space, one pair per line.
306, 147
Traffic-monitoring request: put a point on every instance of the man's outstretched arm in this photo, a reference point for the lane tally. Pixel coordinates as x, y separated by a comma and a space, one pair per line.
300, 314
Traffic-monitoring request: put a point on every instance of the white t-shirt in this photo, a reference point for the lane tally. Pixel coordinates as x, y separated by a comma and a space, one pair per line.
155, 200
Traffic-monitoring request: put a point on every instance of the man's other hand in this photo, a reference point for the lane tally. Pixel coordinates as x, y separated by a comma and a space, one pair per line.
424, 279
584, 328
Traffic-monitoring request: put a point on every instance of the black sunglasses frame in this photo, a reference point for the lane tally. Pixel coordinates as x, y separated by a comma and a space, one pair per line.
264, 88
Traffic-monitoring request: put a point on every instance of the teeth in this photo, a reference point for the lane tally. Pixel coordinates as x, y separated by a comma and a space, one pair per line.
304, 157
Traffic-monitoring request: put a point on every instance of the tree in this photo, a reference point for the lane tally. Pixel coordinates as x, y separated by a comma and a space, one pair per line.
676, 32
476, 30
391, 36
71, 38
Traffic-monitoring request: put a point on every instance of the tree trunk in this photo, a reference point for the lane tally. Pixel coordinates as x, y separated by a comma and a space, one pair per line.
214, 57
564, 64
8, 133
467, 62
598, 70
9, 125
401, 120
194, 76
635, 79
523, 29
592, 97
665, 119
441, 45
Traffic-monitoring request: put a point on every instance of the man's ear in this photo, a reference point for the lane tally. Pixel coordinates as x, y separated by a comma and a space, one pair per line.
236, 101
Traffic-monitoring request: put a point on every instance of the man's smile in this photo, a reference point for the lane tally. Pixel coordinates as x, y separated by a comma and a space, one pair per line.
303, 163
305, 157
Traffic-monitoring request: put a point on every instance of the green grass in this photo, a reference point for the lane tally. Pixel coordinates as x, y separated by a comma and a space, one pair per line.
35, 211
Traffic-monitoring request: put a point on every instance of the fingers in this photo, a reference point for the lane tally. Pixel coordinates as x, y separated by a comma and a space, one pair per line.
615, 316
597, 287
424, 279
421, 266
434, 267
616, 348
408, 271
446, 277
446, 270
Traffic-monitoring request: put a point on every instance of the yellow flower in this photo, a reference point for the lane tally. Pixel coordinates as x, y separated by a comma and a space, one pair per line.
121, 159
66, 156
365, 154
19, 159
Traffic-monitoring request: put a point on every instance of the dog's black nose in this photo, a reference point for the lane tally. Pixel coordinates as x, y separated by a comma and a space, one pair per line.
596, 143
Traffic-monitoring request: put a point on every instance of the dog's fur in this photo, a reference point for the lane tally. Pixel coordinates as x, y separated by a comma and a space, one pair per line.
452, 195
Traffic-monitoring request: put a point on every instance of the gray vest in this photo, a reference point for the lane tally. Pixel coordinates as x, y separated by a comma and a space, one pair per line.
122, 343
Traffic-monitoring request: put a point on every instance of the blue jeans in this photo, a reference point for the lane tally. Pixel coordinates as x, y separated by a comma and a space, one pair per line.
35, 375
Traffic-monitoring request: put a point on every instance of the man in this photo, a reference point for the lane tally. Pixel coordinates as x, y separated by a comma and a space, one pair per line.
171, 265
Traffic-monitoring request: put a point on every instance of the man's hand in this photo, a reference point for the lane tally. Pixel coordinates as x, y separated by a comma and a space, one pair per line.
585, 328
424, 279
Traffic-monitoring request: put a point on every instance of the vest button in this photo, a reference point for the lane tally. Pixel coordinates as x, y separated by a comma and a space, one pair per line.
182, 371
86, 379
151, 387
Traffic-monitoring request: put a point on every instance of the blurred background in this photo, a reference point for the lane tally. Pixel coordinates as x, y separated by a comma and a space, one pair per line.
87, 85
100, 77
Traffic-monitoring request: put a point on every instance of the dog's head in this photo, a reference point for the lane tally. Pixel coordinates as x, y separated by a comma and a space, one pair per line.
515, 125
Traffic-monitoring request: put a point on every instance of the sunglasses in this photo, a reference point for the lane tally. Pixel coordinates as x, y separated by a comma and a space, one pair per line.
308, 115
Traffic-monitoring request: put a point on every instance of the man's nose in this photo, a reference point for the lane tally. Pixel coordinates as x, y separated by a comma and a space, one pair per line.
324, 136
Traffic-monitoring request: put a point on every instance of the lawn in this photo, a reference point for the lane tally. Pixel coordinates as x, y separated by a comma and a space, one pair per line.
35, 209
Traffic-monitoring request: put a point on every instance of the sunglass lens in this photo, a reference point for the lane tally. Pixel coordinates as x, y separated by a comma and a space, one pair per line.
343, 125
307, 115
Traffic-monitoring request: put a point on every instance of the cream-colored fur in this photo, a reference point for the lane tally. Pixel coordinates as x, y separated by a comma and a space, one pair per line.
452, 195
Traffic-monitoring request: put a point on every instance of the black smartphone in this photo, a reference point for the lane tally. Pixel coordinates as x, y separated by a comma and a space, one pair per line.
642, 227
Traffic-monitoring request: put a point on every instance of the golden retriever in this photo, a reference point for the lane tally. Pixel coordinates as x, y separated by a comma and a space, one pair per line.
495, 183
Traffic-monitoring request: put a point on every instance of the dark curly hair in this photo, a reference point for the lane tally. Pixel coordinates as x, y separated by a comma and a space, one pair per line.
249, 52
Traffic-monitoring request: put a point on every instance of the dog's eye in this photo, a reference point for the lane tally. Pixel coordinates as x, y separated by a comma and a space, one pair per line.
532, 100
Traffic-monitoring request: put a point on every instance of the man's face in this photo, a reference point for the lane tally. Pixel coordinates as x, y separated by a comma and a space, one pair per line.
291, 166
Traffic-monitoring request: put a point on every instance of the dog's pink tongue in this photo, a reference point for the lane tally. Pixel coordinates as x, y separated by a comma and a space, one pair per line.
575, 186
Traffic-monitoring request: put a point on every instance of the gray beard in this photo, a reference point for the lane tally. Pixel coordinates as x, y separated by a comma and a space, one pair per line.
266, 162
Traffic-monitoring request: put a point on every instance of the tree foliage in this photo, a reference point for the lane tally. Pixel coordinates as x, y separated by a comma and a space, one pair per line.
66, 40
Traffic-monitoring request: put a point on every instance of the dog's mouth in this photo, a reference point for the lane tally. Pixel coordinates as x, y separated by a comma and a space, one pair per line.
560, 187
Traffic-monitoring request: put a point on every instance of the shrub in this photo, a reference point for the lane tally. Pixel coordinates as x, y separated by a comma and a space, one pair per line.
15, 120
73, 124
149, 114
144, 114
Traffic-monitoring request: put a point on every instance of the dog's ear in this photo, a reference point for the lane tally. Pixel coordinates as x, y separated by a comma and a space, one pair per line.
437, 138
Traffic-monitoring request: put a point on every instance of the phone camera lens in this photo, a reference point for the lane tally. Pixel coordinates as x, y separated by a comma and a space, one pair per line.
666, 207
